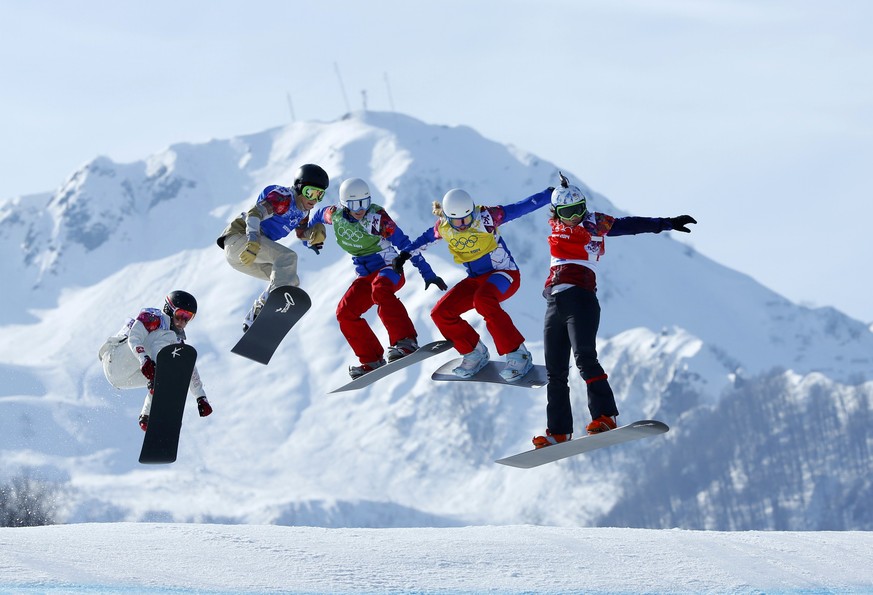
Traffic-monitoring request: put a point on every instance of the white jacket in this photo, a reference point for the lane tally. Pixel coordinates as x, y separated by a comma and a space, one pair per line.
124, 353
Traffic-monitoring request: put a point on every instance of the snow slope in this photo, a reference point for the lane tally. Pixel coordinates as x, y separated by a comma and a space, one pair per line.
177, 558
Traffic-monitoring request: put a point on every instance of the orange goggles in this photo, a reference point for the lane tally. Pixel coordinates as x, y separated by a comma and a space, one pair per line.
461, 222
181, 314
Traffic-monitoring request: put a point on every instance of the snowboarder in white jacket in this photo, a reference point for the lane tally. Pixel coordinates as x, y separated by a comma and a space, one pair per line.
129, 356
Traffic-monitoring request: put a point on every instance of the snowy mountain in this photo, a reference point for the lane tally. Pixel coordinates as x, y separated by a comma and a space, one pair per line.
768, 401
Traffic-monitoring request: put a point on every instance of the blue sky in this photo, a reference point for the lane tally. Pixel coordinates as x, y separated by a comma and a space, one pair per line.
756, 117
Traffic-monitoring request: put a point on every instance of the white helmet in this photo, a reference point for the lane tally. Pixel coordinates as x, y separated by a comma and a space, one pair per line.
568, 196
457, 204
570, 202
354, 194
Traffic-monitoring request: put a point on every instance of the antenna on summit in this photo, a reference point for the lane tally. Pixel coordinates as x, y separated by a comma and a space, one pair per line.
290, 107
388, 86
342, 87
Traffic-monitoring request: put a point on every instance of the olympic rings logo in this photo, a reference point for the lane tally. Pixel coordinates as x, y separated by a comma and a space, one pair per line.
351, 235
463, 243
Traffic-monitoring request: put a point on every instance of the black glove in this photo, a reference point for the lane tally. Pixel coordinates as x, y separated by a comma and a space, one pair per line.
679, 223
397, 265
316, 247
148, 370
565, 183
436, 281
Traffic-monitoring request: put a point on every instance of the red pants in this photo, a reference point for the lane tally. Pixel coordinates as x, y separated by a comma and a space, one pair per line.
376, 288
484, 293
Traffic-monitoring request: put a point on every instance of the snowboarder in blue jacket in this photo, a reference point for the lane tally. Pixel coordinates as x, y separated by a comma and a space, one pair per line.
366, 231
473, 237
251, 241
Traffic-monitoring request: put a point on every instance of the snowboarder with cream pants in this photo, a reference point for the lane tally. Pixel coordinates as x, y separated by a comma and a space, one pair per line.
251, 241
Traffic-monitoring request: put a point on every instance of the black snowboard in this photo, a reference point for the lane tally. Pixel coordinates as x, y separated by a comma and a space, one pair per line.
285, 306
424, 352
173, 369
548, 454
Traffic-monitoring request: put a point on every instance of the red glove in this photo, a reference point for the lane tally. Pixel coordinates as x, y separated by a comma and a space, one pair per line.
203, 407
148, 369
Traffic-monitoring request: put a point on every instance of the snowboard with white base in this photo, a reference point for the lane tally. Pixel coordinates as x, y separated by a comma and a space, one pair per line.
535, 378
173, 368
423, 352
548, 454
284, 307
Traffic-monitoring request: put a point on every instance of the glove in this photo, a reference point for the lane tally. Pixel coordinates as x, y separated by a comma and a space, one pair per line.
565, 183
317, 248
316, 234
250, 253
203, 407
679, 223
148, 370
397, 265
436, 281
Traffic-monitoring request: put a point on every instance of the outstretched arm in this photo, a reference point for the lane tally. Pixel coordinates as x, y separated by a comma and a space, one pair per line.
624, 226
506, 213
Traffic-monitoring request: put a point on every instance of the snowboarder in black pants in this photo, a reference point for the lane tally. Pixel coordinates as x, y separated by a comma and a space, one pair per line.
576, 243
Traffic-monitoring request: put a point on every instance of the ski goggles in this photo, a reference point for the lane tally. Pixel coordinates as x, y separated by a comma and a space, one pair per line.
312, 193
358, 204
461, 222
181, 314
572, 211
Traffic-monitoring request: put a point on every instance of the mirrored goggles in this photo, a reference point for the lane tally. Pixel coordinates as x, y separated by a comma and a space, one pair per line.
312, 193
572, 211
358, 204
181, 314
461, 222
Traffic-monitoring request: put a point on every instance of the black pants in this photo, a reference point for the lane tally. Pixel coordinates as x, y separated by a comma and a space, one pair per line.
572, 320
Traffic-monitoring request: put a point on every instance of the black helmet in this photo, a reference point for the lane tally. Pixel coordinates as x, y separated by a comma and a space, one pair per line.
179, 300
311, 175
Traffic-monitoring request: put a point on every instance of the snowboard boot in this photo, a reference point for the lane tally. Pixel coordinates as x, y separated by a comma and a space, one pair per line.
358, 371
550, 439
601, 424
255, 310
146, 409
473, 361
402, 348
518, 363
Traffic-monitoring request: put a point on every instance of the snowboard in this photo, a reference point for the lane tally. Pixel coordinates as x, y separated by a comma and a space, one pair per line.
173, 368
541, 456
424, 352
536, 378
284, 307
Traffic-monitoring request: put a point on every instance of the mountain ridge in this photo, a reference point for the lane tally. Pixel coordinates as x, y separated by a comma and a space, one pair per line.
679, 333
